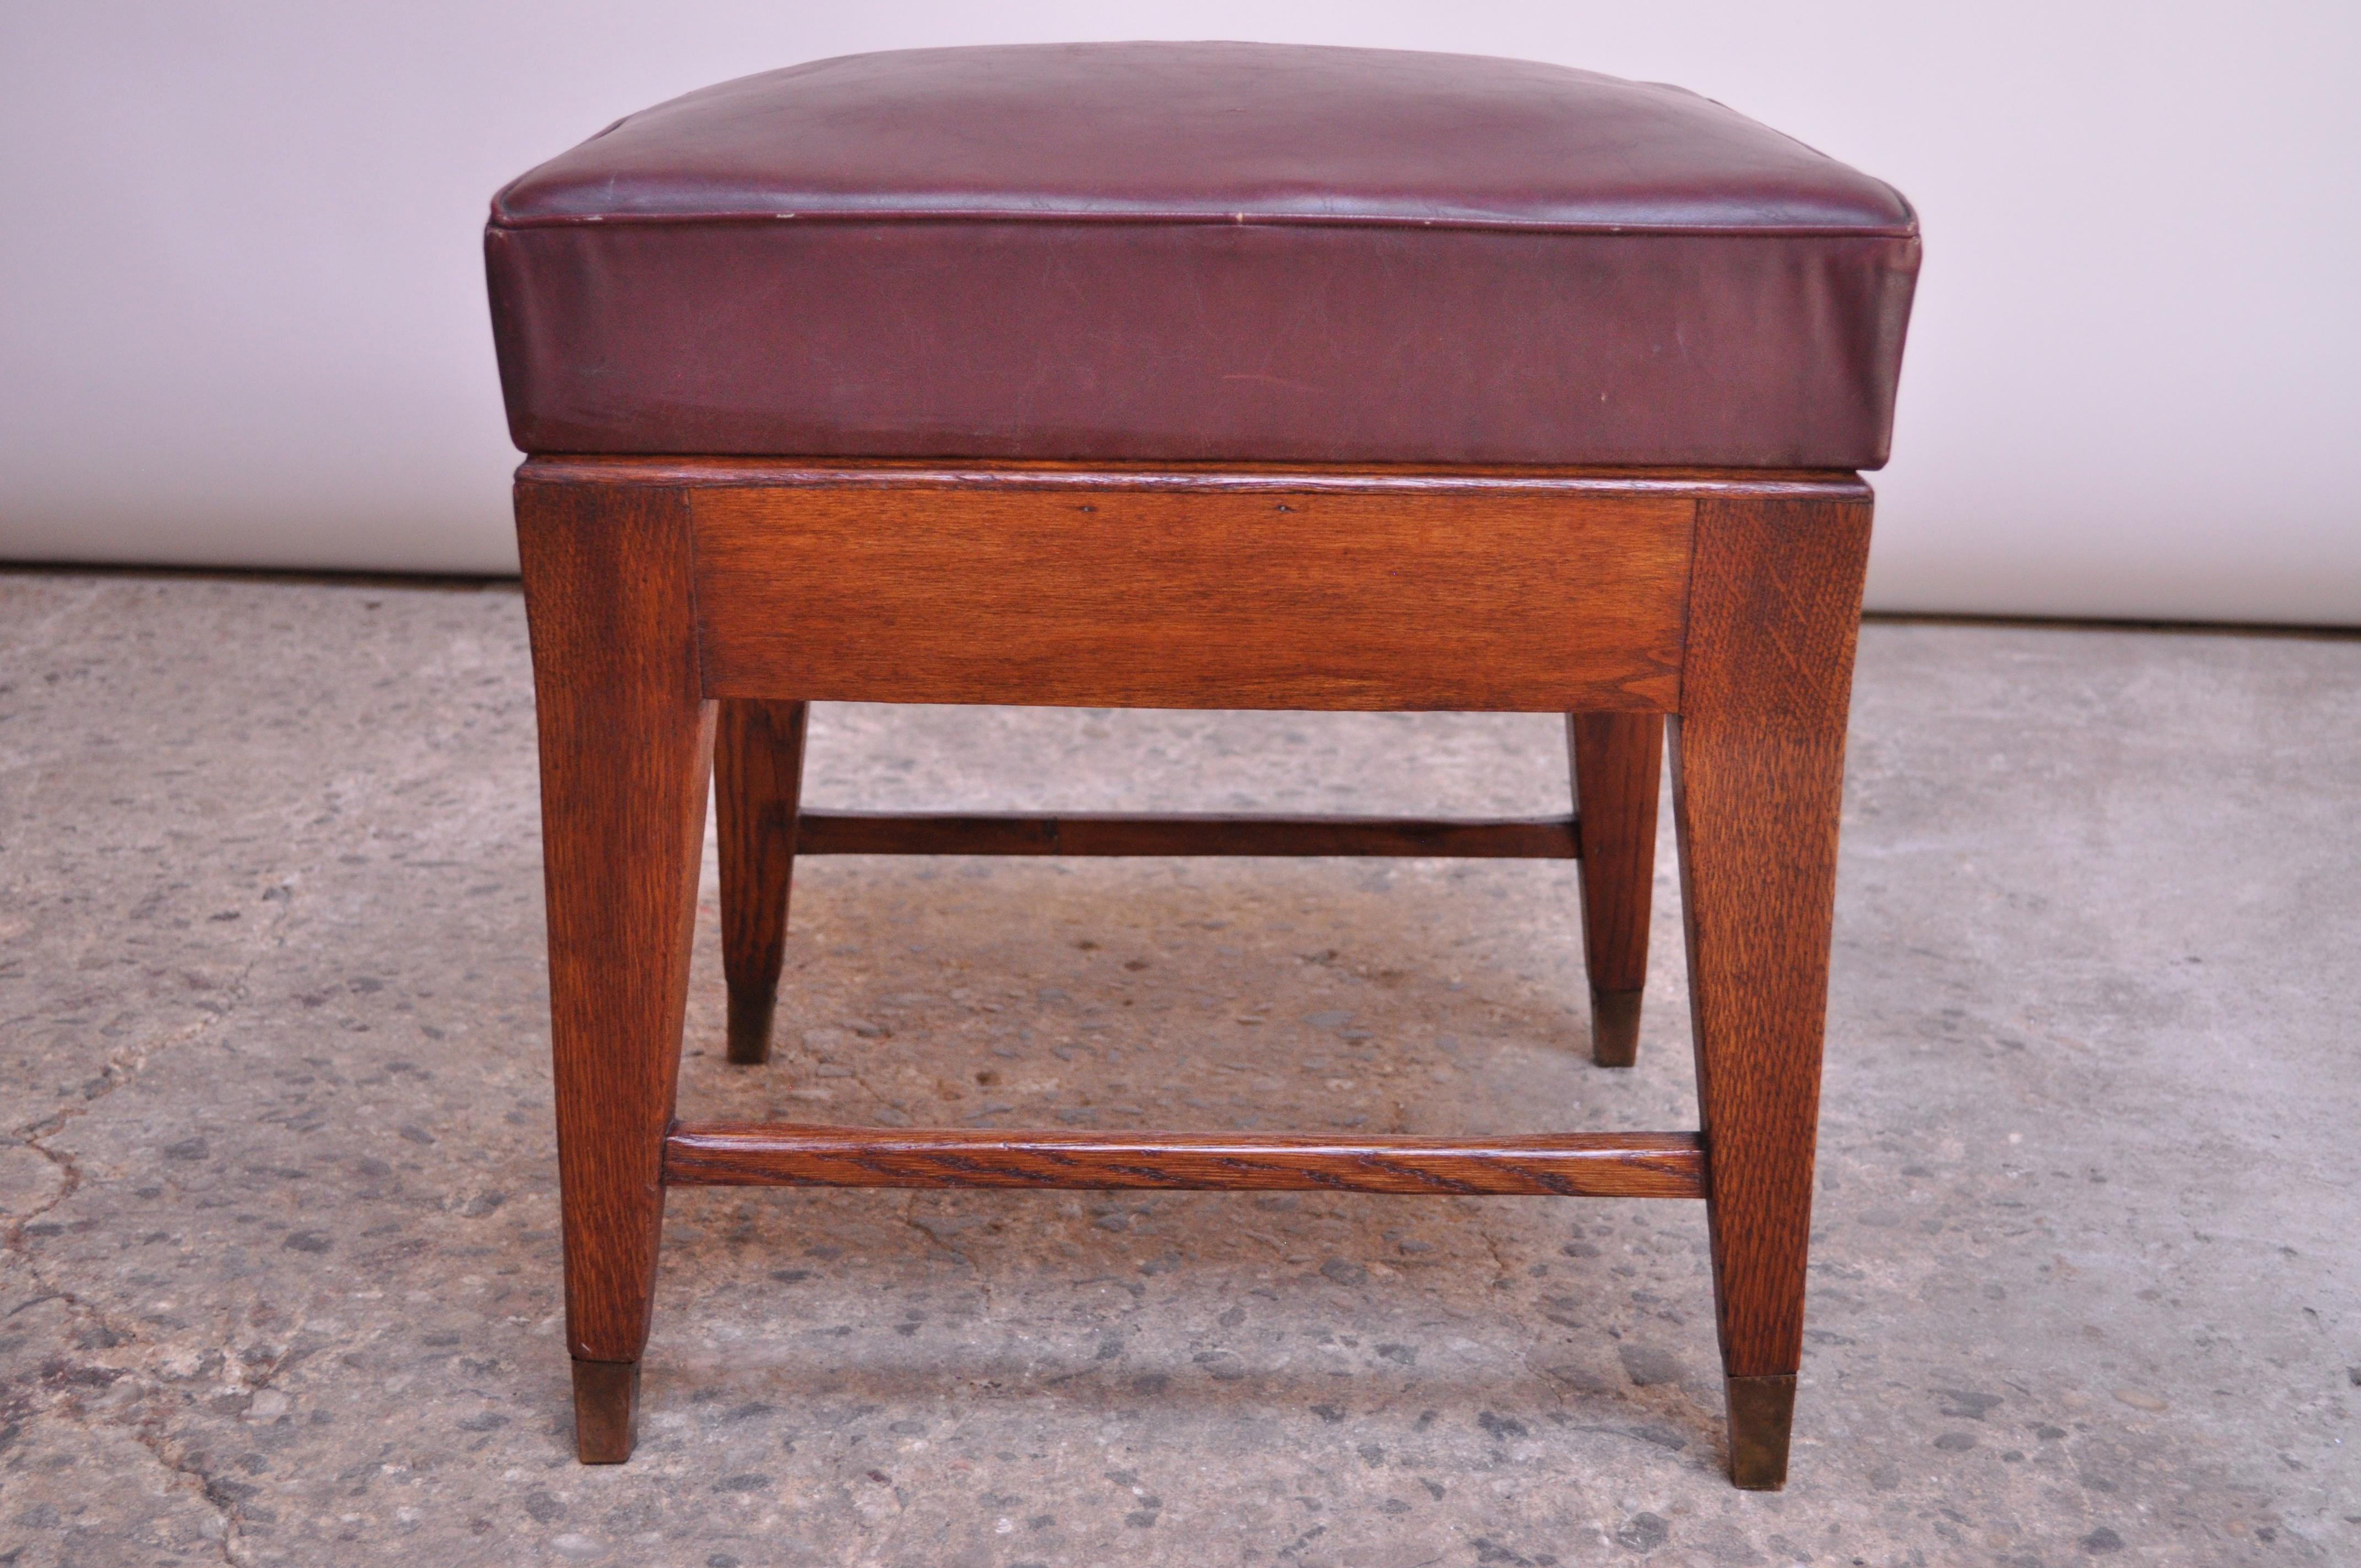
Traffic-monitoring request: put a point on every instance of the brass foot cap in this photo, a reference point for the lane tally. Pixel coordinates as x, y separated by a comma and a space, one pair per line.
1761, 1410
1614, 1027
750, 1027
606, 1410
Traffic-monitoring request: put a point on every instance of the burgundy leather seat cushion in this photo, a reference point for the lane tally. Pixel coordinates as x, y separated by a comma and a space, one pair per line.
1201, 251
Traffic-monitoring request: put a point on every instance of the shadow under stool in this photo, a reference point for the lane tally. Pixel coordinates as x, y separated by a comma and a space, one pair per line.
1195, 375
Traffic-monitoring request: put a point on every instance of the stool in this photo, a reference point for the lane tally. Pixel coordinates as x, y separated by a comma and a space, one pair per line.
1195, 375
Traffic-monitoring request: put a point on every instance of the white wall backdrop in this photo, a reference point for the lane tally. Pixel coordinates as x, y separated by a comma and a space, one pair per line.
242, 318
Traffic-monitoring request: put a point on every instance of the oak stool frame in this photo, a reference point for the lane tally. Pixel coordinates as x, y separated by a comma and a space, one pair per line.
684, 611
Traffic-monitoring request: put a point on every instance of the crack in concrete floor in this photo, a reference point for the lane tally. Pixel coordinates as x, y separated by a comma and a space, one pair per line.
121, 1067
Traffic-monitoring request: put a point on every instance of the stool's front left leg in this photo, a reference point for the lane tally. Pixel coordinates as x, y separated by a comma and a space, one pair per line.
1758, 776
626, 745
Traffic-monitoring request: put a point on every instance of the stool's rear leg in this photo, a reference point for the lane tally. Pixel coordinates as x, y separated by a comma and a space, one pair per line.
758, 774
1616, 760
1758, 773
626, 742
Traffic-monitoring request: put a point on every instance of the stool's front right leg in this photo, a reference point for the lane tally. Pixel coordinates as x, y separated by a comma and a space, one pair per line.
626, 745
1758, 776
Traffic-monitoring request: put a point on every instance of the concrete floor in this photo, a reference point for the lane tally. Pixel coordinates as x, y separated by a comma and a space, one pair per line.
281, 1276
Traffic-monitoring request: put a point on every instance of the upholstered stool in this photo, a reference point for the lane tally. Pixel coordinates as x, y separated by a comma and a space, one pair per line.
1195, 375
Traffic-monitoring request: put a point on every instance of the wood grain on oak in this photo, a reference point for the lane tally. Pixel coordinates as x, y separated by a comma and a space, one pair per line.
1726, 598
1606, 1164
625, 744
1129, 595
1758, 778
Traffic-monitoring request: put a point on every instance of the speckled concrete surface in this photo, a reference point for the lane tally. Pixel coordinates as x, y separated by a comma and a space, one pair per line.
280, 1280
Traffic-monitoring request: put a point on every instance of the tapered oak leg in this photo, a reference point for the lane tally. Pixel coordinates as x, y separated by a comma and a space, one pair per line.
1758, 773
758, 778
626, 745
1616, 760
